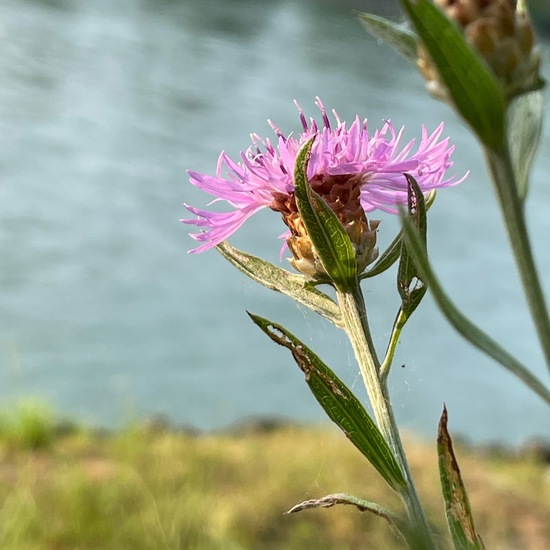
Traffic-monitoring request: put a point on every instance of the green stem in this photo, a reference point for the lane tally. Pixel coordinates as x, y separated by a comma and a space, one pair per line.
398, 325
514, 217
355, 322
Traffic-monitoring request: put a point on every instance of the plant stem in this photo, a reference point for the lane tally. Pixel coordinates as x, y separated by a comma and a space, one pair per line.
514, 217
398, 325
355, 322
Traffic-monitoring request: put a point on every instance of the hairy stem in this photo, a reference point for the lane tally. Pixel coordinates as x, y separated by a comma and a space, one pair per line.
354, 318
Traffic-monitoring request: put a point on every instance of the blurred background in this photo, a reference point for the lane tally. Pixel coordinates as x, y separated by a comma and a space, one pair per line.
103, 314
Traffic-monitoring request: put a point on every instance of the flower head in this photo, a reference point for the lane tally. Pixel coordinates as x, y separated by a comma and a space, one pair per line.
354, 171
502, 33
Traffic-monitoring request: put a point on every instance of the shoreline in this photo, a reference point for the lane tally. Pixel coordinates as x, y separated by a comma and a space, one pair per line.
535, 448
38, 419
156, 485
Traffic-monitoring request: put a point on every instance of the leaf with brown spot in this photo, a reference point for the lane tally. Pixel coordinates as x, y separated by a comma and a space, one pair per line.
342, 407
457, 505
399, 525
410, 284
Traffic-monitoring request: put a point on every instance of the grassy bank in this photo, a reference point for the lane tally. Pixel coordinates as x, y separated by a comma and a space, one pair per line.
156, 488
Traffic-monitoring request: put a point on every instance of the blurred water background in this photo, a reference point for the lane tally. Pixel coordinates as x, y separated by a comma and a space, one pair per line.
103, 105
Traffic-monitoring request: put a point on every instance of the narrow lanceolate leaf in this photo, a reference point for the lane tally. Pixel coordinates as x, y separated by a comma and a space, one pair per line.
398, 524
396, 35
476, 93
327, 234
342, 407
410, 284
461, 323
524, 130
457, 505
281, 280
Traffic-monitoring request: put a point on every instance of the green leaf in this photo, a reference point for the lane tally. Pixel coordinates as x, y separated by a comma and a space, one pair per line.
327, 234
410, 284
460, 322
476, 93
281, 280
396, 35
342, 407
457, 505
524, 130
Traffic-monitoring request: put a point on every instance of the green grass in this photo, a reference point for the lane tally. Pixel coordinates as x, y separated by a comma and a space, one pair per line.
160, 489
30, 424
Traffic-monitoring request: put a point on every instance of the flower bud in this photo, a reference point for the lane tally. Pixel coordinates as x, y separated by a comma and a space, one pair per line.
502, 34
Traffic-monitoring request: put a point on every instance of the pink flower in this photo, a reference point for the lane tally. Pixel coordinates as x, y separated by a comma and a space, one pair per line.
348, 167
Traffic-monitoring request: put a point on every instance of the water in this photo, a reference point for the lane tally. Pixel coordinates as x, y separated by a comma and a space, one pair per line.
102, 108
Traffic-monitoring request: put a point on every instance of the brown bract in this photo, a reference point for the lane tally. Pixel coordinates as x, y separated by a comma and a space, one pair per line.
501, 34
342, 194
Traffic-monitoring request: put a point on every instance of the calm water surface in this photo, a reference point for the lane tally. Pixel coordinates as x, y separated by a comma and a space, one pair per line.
103, 313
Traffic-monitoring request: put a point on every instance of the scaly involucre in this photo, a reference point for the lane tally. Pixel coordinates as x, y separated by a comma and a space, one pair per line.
341, 157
